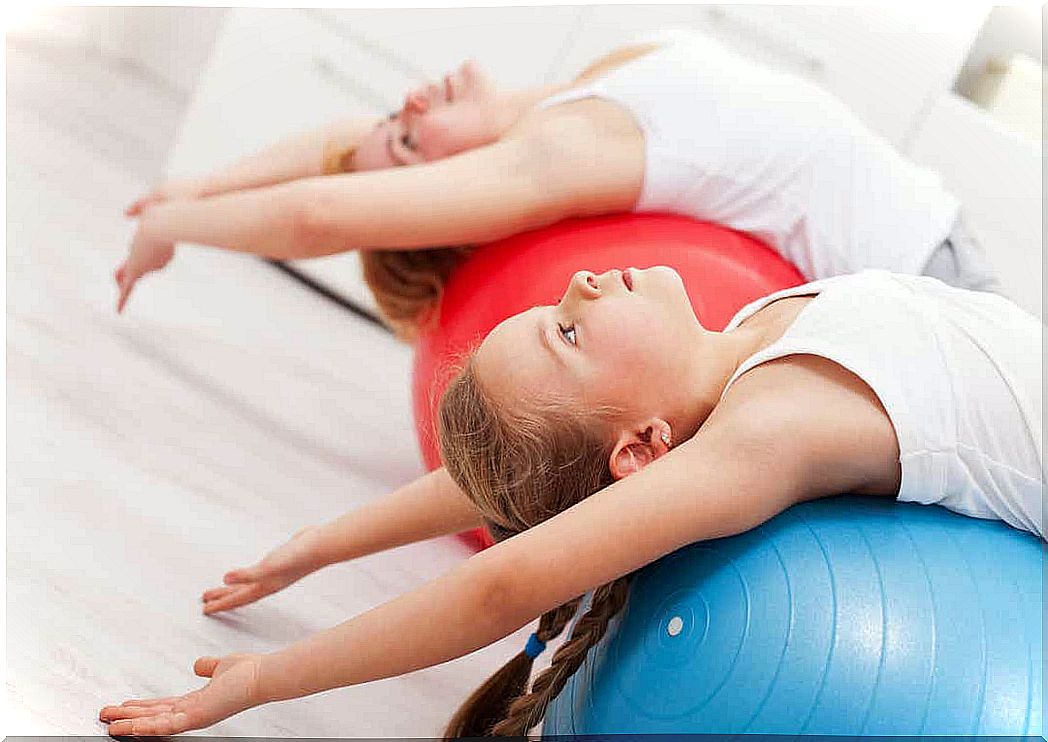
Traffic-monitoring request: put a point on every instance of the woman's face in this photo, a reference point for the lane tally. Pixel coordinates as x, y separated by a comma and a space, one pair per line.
623, 339
435, 121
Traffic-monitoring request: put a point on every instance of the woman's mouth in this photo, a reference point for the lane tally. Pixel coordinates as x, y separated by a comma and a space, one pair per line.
627, 279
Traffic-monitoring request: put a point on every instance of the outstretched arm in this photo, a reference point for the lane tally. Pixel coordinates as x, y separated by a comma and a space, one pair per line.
714, 485
431, 506
760, 452
711, 486
477, 196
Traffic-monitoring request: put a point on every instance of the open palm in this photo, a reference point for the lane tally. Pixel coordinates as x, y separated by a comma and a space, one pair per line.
286, 564
234, 687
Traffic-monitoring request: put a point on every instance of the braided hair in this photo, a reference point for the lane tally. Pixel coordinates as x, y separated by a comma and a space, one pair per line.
520, 470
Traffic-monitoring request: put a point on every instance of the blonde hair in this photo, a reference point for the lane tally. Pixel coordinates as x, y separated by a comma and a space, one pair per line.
520, 469
407, 284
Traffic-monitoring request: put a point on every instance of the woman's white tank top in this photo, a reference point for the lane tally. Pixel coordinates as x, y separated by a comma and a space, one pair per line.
730, 141
958, 372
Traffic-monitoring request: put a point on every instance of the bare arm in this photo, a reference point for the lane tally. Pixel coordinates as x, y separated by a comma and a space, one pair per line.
477, 196
431, 506
301, 155
711, 486
760, 452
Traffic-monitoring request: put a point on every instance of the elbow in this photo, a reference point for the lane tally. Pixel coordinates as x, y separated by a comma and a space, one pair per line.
310, 228
501, 598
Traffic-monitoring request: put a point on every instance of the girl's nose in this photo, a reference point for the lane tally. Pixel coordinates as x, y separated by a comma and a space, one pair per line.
584, 285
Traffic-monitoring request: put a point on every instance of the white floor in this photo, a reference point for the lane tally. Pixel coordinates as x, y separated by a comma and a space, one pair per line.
149, 453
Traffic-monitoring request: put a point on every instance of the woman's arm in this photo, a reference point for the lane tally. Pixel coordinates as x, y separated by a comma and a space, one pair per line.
301, 155
477, 196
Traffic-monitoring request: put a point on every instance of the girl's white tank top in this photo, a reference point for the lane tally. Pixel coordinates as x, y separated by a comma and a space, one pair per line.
730, 141
958, 372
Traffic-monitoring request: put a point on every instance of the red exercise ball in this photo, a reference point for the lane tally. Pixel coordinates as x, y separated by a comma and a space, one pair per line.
723, 270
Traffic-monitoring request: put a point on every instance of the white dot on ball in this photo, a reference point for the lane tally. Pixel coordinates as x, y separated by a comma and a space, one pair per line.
676, 625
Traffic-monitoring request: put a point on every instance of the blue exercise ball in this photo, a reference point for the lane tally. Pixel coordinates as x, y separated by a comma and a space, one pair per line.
841, 616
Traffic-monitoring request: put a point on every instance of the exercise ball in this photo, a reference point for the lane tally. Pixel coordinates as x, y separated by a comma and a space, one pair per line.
843, 616
722, 271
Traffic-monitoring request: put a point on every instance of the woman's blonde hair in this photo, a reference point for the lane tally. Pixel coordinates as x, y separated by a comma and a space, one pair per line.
520, 469
407, 284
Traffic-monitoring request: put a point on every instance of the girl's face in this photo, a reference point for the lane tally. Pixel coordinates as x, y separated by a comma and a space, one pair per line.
436, 121
624, 339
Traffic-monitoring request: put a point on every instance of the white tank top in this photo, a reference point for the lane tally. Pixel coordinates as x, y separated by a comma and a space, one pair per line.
771, 154
958, 372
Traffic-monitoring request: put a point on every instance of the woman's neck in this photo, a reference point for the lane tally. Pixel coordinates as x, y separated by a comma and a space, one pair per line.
511, 105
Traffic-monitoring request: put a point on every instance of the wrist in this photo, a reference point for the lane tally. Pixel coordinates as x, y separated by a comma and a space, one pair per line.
327, 546
275, 679
194, 188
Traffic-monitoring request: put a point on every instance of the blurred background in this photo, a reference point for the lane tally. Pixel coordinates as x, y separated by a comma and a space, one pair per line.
230, 405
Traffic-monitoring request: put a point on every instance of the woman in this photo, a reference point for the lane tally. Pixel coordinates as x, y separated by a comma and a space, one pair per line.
673, 121
600, 434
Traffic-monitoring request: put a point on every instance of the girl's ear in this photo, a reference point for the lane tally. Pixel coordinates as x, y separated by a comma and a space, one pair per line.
636, 448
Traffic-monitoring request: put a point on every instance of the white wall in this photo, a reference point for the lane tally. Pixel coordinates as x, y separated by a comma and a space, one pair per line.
172, 43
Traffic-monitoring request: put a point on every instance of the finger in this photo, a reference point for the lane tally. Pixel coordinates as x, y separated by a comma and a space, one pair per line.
164, 724
164, 700
245, 574
128, 711
243, 596
205, 666
215, 593
125, 291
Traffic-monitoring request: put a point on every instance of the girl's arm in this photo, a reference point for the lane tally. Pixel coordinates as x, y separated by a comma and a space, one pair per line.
760, 452
711, 486
741, 469
431, 506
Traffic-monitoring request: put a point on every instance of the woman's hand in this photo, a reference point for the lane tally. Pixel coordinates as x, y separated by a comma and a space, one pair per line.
286, 564
146, 255
165, 191
234, 686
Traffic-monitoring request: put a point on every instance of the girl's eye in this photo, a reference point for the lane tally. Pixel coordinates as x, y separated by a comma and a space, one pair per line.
568, 332
406, 141
393, 116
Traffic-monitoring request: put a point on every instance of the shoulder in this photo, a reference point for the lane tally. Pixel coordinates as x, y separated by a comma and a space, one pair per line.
617, 58
590, 153
817, 421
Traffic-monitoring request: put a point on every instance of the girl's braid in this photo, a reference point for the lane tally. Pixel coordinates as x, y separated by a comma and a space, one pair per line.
528, 710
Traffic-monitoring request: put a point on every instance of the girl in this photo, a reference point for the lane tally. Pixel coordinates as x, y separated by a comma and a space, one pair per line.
673, 122
605, 432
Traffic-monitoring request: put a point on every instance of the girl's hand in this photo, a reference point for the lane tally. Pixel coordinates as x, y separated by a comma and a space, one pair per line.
146, 255
279, 568
171, 189
234, 686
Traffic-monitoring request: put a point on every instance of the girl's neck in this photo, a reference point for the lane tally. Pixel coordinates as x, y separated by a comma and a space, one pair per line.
720, 354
